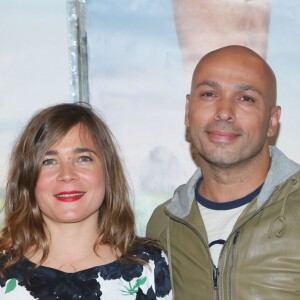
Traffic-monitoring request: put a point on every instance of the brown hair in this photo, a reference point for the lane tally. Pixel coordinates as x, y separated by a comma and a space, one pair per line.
24, 227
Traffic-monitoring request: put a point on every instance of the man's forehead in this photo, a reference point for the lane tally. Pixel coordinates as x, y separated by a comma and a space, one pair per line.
251, 69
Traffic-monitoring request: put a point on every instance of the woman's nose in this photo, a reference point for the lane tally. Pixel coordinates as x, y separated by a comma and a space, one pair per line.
67, 172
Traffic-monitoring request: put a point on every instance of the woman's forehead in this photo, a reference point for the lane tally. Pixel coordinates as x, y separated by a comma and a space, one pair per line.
78, 135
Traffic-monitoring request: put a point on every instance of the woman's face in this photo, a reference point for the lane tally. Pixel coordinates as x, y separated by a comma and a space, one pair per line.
71, 183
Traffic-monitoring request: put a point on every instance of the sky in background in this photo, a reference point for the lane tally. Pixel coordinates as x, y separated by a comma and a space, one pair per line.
137, 81
33, 64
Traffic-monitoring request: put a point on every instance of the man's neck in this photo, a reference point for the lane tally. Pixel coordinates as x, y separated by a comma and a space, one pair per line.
226, 184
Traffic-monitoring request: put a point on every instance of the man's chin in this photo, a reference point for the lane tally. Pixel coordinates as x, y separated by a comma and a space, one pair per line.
223, 159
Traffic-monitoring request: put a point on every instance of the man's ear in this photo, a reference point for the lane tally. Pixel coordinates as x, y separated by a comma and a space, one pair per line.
274, 121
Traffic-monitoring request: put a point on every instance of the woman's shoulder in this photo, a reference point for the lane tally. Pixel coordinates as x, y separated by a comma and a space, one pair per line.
148, 252
18, 269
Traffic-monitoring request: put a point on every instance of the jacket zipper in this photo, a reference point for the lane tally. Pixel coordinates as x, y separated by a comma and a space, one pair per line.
215, 277
230, 288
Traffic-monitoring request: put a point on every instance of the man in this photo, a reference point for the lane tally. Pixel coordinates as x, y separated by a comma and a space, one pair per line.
233, 230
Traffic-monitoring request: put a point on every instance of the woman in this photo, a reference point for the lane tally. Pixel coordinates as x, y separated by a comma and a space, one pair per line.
69, 227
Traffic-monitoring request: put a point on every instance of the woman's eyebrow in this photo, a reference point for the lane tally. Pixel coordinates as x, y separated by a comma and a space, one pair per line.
82, 150
51, 152
75, 150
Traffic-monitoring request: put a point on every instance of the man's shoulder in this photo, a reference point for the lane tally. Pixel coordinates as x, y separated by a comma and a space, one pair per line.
291, 189
157, 222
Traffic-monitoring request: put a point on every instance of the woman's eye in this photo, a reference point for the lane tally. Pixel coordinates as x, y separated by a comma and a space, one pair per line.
48, 161
85, 158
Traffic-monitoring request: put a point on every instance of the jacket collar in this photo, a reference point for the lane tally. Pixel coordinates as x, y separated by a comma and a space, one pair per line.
281, 169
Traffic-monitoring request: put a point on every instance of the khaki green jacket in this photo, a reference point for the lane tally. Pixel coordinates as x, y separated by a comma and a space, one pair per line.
261, 257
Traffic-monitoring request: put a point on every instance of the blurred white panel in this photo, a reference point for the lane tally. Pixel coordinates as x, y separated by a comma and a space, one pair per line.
34, 64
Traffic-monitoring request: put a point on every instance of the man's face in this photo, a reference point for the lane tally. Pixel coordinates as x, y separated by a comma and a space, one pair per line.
231, 112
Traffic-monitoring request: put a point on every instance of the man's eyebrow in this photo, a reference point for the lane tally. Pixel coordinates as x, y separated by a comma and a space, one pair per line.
242, 87
247, 87
210, 83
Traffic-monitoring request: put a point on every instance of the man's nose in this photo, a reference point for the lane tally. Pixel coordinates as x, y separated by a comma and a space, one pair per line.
225, 109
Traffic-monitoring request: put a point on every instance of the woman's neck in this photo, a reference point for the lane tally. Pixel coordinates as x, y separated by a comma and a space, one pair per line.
72, 248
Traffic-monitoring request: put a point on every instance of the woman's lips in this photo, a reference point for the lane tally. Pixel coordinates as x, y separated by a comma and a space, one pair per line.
69, 196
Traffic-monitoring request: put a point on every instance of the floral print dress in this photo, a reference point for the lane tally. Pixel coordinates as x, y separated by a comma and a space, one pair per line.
114, 281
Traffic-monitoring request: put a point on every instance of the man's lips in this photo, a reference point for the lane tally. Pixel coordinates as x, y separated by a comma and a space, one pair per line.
220, 135
69, 196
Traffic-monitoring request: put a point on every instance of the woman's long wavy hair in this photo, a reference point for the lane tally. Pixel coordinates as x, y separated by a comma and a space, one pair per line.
24, 228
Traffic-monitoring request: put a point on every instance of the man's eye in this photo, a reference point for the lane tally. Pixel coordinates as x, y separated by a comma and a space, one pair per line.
247, 99
85, 158
207, 94
48, 161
